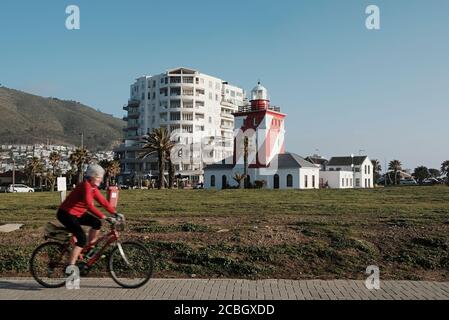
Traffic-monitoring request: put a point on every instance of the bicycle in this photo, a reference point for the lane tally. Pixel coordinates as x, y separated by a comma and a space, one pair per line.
128, 261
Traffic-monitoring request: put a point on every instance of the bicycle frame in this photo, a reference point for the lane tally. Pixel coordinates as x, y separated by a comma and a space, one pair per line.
109, 238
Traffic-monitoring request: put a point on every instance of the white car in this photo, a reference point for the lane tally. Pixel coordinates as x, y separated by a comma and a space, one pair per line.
19, 188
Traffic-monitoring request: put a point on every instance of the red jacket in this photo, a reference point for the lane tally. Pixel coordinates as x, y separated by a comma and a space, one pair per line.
82, 199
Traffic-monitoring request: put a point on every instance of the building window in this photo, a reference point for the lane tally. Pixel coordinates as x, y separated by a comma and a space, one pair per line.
289, 181
366, 182
369, 169
369, 183
306, 181
212, 181
342, 182
352, 182
347, 182
313, 182
357, 182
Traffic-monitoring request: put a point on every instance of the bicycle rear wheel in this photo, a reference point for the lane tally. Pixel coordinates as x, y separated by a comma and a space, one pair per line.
48, 263
131, 264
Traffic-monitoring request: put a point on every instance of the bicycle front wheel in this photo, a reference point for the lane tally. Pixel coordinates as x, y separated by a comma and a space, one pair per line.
131, 264
48, 263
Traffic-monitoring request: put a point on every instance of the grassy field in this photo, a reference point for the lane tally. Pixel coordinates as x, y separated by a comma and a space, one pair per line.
256, 234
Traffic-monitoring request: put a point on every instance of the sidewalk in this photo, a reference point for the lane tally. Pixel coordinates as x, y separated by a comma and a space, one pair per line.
227, 289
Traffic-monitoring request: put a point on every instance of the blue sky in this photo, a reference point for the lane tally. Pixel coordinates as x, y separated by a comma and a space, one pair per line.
343, 87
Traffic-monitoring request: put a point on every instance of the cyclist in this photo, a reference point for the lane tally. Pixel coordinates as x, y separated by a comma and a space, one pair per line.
73, 211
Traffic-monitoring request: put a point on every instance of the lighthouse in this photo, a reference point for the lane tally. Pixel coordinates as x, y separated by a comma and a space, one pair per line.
259, 151
263, 127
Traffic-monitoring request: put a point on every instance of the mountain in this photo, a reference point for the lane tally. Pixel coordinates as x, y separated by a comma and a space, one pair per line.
29, 119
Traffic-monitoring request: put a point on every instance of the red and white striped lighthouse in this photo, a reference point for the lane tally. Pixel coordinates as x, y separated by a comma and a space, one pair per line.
264, 126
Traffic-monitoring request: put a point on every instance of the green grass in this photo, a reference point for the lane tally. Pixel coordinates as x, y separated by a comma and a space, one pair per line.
265, 234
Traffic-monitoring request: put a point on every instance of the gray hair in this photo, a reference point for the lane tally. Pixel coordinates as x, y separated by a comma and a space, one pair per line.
94, 170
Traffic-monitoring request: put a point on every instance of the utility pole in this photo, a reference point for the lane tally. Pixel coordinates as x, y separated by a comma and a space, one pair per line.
82, 140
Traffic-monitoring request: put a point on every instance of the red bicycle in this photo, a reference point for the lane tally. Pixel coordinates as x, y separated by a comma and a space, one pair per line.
130, 263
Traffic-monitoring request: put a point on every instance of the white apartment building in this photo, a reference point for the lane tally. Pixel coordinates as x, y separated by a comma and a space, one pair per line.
196, 106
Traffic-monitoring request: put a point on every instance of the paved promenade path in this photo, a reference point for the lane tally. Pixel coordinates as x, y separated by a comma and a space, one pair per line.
197, 289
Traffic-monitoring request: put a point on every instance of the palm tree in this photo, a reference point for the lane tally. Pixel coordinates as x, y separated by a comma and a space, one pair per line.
54, 158
111, 168
78, 159
395, 166
158, 142
445, 170
33, 168
239, 178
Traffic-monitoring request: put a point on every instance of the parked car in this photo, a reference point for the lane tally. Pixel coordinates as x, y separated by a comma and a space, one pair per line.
430, 182
408, 182
19, 188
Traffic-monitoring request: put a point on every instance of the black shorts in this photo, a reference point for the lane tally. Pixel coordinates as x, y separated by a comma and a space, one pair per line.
73, 224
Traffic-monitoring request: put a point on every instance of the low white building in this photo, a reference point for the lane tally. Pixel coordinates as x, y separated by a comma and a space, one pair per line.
340, 171
289, 171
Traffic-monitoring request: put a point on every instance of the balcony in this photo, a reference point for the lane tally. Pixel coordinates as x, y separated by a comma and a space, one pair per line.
227, 115
133, 103
133, 115
227, 126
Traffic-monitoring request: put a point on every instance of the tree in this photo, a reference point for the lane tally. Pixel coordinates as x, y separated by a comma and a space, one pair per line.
239, 179
158, 142
395, 166
445, 170
54, 158
112, 170
33, 168
435, 173
78, 159
69, 175
421, 173
377, 168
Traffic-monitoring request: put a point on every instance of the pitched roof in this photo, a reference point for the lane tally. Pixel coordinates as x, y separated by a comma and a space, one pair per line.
292, 160
284, 161
346, 161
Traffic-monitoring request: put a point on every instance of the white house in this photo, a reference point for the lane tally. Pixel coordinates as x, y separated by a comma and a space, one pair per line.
348, 172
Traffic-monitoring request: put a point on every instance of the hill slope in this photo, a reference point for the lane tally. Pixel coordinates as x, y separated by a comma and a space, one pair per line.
29, 119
